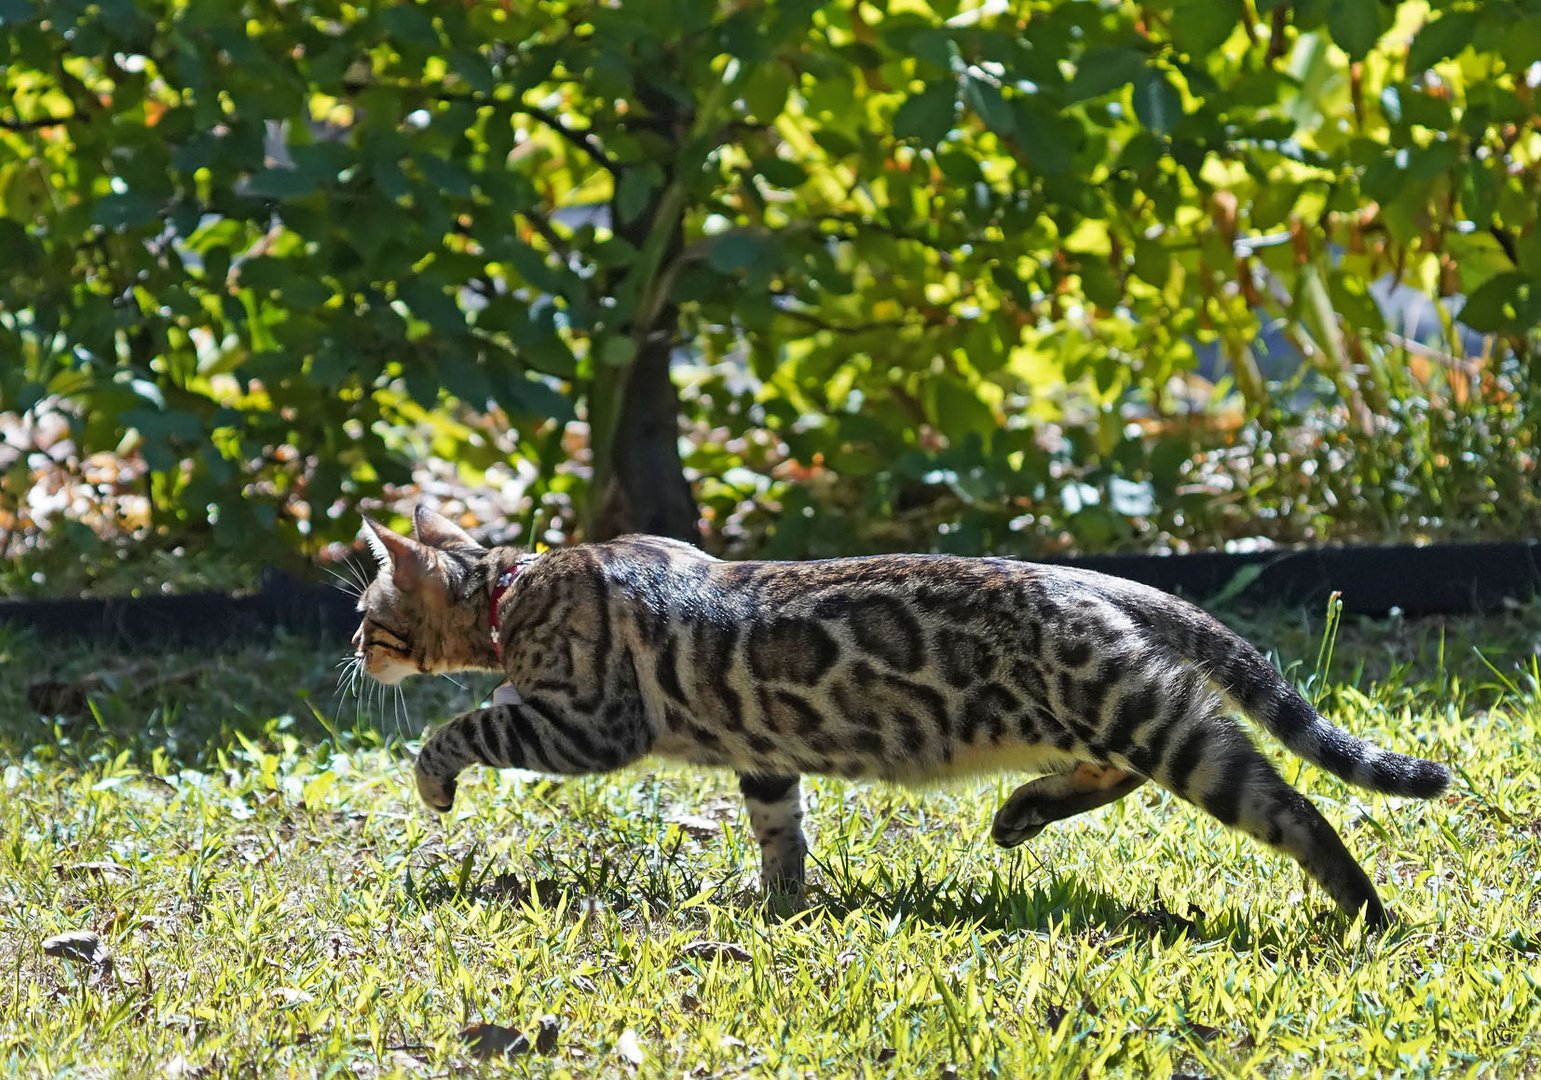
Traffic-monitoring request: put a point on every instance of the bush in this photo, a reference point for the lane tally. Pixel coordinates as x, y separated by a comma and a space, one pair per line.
1075, 275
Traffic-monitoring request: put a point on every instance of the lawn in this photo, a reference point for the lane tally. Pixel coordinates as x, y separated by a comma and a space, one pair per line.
272, 899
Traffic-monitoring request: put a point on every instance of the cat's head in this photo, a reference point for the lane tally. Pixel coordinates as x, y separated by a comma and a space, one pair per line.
426, 609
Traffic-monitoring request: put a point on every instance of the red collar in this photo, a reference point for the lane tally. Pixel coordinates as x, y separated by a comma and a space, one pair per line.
502, 586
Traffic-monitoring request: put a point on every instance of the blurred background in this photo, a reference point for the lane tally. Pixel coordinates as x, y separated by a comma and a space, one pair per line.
784, 278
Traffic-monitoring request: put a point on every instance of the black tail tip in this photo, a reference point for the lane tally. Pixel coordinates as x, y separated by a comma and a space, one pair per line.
1426, 779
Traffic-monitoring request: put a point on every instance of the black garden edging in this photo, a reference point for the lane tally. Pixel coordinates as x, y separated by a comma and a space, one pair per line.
1446, 579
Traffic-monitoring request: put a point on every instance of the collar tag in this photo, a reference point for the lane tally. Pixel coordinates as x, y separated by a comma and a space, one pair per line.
501, 587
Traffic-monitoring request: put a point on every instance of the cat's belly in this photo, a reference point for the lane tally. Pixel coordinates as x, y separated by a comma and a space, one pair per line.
793, 755
984, 758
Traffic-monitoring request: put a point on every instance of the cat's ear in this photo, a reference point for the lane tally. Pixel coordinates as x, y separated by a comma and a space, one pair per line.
438, 531
408, 561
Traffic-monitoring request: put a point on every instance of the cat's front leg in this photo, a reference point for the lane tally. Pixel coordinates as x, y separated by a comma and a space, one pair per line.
522, 734
775, 806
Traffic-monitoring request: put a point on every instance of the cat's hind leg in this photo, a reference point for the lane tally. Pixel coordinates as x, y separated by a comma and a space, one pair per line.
776, 815
1051, 798
1204, 757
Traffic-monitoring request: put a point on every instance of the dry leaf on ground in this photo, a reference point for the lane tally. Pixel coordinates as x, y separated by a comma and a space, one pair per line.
82, 946
697, 826
712, 950
101, 868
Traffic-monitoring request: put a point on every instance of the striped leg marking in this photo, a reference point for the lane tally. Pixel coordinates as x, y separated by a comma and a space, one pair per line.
1209, 761
1052, 798
520, 734
776, 815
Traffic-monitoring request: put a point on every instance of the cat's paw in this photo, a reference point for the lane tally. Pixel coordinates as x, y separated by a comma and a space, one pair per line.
438, 795
1015, 825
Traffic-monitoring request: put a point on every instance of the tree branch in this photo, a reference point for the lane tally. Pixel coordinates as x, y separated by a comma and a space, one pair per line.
34, 125
819, 323
542, 226
857, 224
1506, 242
586, 141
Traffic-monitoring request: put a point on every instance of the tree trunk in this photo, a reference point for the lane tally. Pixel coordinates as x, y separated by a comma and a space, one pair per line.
642, 487
639, 481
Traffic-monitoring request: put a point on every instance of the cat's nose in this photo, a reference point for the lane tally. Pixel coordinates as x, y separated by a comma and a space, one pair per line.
358, 638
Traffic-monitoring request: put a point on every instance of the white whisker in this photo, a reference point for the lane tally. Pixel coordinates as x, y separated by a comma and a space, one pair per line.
358, 575
347, 585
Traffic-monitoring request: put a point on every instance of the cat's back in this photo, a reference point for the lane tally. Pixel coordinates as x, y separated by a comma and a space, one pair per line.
671, 574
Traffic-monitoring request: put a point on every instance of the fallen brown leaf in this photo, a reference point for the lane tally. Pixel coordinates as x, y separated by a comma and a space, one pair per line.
102, 868
52, 697
81, 947
715, 950
697, 826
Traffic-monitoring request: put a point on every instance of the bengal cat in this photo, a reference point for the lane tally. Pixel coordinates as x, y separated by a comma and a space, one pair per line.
906, 668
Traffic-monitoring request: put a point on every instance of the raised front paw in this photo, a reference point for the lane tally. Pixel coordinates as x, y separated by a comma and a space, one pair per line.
436, 792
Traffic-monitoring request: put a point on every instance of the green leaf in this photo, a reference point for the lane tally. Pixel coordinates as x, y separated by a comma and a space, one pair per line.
445, 174
471, 67
409, 24
1201, 26
433, 305
1354, 302
129, 210
928, 115
281, 184
1356, 26
1157, 102
957, 411
780, 172
305, 293
1046, 139
632, 194
765, 91
16, 12
1152, 262
1520, 41
736, 251
1441, 39
1509, 302
1383, 178
1102, 70
618, 351
1313, 306
934, 45
987, 101
168, 423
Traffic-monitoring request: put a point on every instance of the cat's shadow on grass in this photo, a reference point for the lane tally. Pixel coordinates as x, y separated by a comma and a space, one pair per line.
1010, 903
1006, 904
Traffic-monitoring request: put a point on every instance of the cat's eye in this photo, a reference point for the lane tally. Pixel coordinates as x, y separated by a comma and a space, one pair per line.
400, 645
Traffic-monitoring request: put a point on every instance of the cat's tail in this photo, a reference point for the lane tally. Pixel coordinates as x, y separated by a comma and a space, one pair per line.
1272, 700
1257, 688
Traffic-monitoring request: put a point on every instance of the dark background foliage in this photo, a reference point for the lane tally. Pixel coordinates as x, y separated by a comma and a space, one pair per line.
1020, 278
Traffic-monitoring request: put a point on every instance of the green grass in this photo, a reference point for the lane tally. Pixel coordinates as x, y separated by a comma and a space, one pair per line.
283, 905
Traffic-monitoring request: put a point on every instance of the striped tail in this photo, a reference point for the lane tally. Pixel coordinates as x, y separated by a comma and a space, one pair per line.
1257, 688
1267, 697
